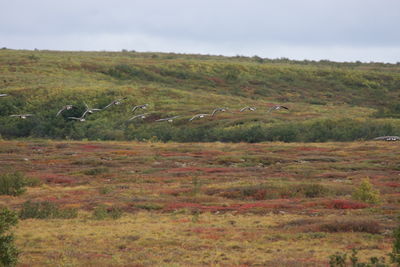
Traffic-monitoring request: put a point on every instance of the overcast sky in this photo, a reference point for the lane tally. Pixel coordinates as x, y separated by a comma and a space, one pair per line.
339, 30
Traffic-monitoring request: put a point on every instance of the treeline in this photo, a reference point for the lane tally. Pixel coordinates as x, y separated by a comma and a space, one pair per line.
321, 130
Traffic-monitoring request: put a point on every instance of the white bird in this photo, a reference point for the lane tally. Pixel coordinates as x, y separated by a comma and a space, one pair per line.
141, 116
276, 107
170, 119
3, 95
66, 107
144, 106
82, 119
218, 110
199, 116
387, 138
89, 110
22, 116
115, 102
249, 108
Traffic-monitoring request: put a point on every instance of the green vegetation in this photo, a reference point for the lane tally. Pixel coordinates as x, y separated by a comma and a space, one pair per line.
8, 251
328, 101
365, 192
103, 212
14, 183
46, 210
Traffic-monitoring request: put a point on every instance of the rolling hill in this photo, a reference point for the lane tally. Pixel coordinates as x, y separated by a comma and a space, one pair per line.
328, 101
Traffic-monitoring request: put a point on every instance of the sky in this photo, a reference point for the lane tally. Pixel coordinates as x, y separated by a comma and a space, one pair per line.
337, 30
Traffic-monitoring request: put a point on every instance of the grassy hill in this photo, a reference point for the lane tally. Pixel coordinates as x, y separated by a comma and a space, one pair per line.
327, 100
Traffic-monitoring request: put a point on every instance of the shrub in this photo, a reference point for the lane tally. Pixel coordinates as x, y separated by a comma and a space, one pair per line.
8, 251
340, 260
366, 193
12, 184
395, 255
45, 210
345, 204
366, 226
96, 171
102, 212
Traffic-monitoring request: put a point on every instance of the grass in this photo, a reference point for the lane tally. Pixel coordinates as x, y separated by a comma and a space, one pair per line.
181, 207
364, 94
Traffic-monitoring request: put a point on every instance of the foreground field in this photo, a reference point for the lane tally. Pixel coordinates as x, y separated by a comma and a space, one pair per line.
273, 204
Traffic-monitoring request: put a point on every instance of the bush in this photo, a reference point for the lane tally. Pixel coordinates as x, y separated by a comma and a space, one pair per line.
12, 184
96, 171
395, 255
366, 193
8, 251
102, 212
365, 226
46, 210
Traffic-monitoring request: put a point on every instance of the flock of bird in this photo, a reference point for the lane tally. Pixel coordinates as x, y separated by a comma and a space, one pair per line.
90, 110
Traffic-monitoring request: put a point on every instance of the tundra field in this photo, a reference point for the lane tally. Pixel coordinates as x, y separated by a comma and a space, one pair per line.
174, 204
290, 187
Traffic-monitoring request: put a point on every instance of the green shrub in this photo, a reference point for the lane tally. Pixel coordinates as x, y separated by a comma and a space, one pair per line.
46, 210
12, 184
102, 212
149, 206
366, 193
365, 226
8, 251
395, 255
96, 171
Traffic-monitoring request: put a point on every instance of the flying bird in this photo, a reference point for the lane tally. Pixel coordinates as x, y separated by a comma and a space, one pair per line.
387, 138
3, 95
66, 107
141, 116
248, 108
115, 102
89, 110
144, 106
198, 116
170, 119
22, 116
218, 110
82, 119
276, 107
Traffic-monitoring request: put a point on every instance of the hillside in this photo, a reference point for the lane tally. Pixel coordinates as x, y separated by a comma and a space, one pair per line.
326, 100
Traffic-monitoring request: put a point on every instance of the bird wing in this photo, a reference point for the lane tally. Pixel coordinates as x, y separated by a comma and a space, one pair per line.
135, 108
215, 111
109, 105
284, 107
61, 110
194, 117
84, 113
15, 115
3, 94
243, 109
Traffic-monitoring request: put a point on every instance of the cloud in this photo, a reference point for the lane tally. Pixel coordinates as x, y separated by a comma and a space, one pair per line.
332, 29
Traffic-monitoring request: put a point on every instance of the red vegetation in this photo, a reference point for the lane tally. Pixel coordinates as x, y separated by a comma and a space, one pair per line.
392, 184
206, 170
90, 147
235, 207
345, 204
